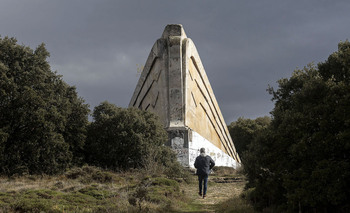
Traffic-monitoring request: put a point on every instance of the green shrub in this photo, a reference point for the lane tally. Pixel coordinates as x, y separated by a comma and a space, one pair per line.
301, 162
34, 205
235, 205
123, 138
95, 192
42, 119
34, 201
88, 174
157, 190
161, 190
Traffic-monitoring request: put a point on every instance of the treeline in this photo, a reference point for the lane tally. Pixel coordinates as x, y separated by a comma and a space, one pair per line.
300, 160
44, 127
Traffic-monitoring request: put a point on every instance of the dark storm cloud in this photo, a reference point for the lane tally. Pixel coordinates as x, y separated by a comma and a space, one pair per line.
244, 46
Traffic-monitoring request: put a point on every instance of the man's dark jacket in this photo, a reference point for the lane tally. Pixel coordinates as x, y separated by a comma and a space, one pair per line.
204, 164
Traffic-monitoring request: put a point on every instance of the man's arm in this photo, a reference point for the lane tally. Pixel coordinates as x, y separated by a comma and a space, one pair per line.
196, 163
212, 163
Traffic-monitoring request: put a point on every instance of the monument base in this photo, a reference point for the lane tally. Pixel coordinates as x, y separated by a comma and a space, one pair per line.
187, 143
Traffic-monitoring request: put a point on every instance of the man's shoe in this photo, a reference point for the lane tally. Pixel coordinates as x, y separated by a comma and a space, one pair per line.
204, 196
200, 194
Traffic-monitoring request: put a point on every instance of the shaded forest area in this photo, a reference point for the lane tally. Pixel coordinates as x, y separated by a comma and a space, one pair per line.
297, 160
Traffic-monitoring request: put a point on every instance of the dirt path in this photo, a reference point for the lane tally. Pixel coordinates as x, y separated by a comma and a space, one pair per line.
217, 193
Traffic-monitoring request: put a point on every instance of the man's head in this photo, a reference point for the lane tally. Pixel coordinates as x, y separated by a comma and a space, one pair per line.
202, 150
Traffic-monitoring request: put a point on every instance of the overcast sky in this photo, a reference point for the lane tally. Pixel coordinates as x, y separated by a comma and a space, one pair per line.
98, 46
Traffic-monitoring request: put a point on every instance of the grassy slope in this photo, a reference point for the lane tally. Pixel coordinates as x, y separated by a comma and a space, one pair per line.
90, 189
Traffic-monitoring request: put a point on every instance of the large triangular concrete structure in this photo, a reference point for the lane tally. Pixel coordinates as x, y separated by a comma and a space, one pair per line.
174, 85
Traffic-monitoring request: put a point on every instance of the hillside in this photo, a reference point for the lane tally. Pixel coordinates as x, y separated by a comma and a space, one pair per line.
90, 189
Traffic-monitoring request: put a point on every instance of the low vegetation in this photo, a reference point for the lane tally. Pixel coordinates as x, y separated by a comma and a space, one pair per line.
91, 189
42, 120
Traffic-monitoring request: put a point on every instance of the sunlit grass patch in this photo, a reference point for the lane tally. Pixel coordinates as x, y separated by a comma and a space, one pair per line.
91, 189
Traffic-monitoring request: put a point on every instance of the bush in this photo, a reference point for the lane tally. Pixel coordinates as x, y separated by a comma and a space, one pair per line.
235, 205
123, 138
42, 120
301, 162
244, 130
88, 174
155, 190
163, 161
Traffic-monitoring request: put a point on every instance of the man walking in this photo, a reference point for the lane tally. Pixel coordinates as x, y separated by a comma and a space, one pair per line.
204, 163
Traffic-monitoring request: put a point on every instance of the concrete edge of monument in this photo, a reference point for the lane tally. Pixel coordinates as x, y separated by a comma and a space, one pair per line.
174, 85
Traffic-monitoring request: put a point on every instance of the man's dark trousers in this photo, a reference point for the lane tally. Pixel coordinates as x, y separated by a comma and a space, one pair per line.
201, 179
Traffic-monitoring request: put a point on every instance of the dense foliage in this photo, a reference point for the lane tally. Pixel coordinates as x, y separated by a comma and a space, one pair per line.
302, 162
121, 138
42, 120
244, 130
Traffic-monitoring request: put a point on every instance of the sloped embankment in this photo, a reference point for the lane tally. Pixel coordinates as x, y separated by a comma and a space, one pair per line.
91, 189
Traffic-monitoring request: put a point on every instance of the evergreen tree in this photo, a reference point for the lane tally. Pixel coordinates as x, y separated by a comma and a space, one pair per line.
42, 120
243, 131
124, 138
302, 161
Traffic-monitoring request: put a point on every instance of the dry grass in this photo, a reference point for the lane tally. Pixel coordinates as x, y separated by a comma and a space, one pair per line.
87, 189
18, 184
90, 189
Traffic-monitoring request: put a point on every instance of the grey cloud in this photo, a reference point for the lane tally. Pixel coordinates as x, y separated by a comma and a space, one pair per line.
244, 46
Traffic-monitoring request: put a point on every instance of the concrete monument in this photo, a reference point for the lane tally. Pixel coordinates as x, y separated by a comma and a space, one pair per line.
174, 85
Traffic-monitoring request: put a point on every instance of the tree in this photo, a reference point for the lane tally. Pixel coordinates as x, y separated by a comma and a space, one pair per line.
244, 130
42, 120
123, 138
303, 158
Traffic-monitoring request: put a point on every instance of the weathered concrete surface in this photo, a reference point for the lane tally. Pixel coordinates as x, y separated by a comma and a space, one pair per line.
175, 86
219, 156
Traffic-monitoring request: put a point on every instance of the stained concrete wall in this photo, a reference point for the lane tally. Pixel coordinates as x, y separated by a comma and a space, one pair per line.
150, 93
201, 104
175, 86
219, 156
